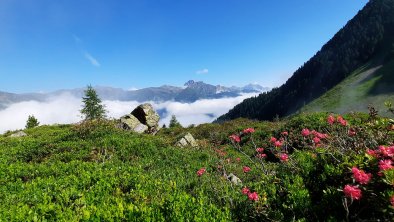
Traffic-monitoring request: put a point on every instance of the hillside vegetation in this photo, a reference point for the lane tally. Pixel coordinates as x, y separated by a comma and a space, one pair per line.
366, 86
313, 167
366, 41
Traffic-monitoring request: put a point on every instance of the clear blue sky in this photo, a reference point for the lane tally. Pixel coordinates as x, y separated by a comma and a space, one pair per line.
52, 44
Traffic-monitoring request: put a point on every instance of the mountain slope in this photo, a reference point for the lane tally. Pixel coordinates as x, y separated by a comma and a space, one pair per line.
366, 39
366, 86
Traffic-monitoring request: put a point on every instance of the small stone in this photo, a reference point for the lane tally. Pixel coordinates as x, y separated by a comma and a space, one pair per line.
234, 179
190, 140
182, 143
187, 140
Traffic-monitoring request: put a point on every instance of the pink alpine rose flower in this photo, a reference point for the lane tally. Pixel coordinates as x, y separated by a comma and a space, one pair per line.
352, 191
260, 150
316, 140
235, 138
278, 143
273, 140
246, 169
385, 165
319, 135
238, 159
342, 121
261, 155
386, 151
360, 176
284, 157
371, 152
285, 133
330, 119
248, 130
245, 191
200, 172
392, 200
305, 132
253, 196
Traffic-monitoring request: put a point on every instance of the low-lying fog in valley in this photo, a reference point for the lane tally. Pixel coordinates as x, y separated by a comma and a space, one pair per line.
65, 109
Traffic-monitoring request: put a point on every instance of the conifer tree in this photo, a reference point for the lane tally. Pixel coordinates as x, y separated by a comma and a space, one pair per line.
92, 107
174, 122
31, 122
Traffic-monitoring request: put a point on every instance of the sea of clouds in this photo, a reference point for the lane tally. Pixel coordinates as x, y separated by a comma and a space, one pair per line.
66, 108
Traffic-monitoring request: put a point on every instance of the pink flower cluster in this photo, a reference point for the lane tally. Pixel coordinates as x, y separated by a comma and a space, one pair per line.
246, 169
305, 132
253, 196
386, 151
284, 157
276, 142
317, 136
360, 176
260, 150
201, 171
235, 138
352, 191
331, 120
260, 153
386, 156
385, 165
382, 152
248, 130
341, 121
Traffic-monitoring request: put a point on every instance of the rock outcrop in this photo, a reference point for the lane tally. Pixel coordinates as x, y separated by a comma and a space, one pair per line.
18, 134
187, 140
143, 119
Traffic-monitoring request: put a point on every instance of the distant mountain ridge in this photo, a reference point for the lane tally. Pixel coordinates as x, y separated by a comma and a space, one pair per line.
366, 41
193, 90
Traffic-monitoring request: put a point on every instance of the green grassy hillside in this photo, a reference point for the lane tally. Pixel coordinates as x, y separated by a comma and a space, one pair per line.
95, 172
368, 85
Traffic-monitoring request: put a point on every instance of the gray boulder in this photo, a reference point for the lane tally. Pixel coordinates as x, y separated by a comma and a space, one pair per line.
143, 119
129, 122
187, 140
234, 179
147, 115
18, 134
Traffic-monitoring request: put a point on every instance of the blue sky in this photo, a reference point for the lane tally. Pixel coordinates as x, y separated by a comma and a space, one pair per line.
53, 44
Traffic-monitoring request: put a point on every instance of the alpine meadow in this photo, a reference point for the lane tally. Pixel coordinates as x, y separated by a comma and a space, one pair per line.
319, 147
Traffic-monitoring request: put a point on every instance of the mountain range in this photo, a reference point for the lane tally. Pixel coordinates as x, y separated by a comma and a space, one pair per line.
351, 71
192, 91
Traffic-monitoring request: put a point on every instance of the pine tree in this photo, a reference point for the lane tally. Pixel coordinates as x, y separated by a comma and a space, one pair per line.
174, 122
92, 108
31, 122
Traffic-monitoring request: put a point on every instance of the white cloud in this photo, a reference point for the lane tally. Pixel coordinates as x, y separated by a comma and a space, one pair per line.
202, 71
65, 109
62, 109
91, 59
133, 89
